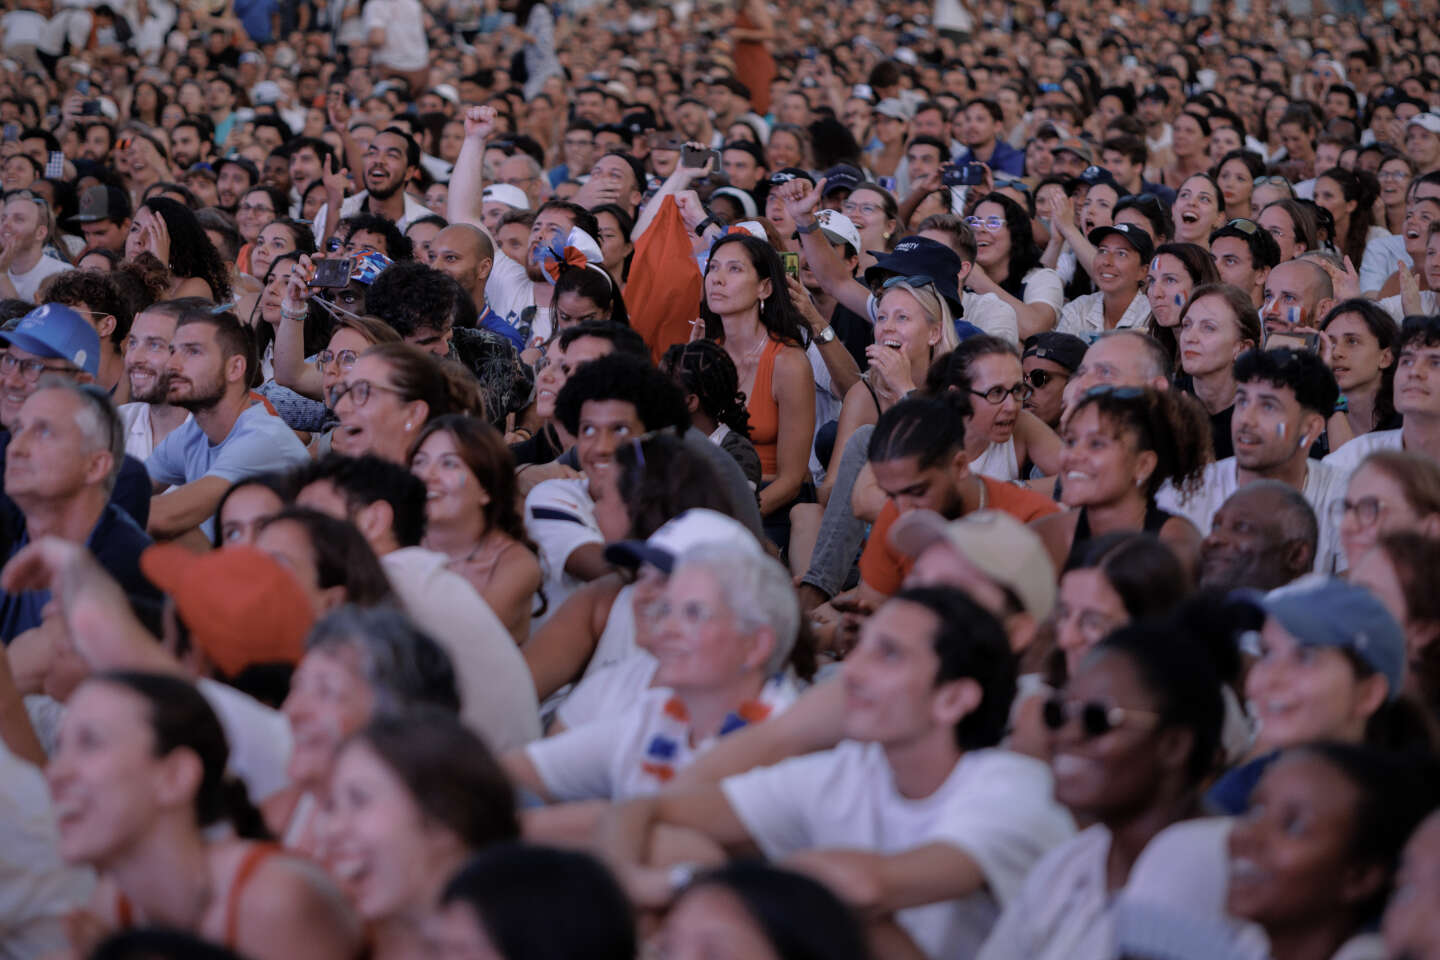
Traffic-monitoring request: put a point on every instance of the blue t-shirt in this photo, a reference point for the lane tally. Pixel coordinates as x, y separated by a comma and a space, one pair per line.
258, 443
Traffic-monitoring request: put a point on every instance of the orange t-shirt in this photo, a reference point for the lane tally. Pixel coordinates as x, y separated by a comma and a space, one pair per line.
883, 568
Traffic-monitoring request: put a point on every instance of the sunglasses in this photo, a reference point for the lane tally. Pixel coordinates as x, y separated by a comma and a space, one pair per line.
914, 280
1119, 393
1096, 718
1249, 227
1039, 378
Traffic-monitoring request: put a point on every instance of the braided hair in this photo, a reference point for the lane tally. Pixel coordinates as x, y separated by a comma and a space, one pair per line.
702, 367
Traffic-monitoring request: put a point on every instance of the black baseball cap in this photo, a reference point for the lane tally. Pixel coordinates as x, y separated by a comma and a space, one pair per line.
102, 202
786, 174
1133, 235
920, 257
1064, 349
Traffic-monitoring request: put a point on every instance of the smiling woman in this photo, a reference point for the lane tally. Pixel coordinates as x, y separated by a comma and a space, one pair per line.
388, 396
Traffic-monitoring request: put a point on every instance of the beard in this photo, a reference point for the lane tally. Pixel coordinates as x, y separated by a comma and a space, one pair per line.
202, 395
384, 192
157, 391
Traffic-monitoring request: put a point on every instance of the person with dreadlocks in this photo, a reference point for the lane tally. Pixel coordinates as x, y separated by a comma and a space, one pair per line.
707, 376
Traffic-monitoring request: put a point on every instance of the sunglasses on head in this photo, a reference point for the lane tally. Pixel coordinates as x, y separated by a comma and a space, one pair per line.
1244, 226
1096, 718
1119, 393
913, 280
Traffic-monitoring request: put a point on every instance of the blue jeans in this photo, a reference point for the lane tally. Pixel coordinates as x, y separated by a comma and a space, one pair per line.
841, 533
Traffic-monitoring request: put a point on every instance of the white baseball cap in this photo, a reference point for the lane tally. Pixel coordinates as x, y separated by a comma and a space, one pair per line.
1430, 121
690, 529
506, 194
838, 228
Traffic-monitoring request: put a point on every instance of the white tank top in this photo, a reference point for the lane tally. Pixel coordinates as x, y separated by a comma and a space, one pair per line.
998, 462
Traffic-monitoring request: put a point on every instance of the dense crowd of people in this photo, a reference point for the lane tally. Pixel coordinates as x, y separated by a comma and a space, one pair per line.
764, 480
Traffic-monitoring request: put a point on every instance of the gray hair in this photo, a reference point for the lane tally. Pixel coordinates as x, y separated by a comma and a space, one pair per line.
403, 666
1157, 360
755, 588
1295, 514
97, 418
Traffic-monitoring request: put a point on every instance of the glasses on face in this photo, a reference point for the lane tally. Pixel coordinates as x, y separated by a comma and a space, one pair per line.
1277, 181
1096, 718
255, 208
865, 209
989, 223
579, 142
358, 392
1039, 379
30, 370
1397, 175
692, 613
346, 359
996, 395
1366, 510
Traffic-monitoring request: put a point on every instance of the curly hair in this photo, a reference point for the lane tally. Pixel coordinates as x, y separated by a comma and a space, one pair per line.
397, 245
191, 252
703, 368
411, 295
1024, 253
657, 400
95, 290
660, 478
1170, 423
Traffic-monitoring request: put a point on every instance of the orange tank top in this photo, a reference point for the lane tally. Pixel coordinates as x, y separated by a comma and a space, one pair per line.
764, 412
254, 857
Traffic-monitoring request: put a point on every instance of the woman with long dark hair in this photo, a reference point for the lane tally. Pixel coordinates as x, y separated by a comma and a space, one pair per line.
1175, 270
1361, 352
748, 303
1350, 198
169, 231
138, 775
1007, 264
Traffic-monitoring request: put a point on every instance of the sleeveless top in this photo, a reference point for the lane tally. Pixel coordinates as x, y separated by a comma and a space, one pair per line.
998, 462
764, 412
249, 863
1155, 518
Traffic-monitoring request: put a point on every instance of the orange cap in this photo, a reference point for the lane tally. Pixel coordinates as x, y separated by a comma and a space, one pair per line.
240, 606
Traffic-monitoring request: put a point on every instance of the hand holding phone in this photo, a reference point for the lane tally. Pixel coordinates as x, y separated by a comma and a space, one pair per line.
963, 175
695, 158
791, 261
333, 274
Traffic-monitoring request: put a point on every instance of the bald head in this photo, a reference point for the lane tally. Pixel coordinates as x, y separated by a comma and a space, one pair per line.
1297, 293
465, 253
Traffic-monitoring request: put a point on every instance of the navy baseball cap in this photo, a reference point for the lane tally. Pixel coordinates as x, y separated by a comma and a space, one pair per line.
786, 174
919, 257
1064, 349
1133, 235
59, 333
1320, 611
842, 177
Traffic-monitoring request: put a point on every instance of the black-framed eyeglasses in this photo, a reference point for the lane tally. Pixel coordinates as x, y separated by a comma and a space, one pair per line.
30, 370
1040, 379
1096, 717
358, 391
996, 395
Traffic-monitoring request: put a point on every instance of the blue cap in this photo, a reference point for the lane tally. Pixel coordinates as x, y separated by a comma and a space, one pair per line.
59, 333
369, 264
920, 257
1321, 611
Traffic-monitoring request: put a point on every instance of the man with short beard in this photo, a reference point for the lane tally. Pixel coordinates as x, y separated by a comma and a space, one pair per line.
232, 435
391, 160
148, 418
234, 178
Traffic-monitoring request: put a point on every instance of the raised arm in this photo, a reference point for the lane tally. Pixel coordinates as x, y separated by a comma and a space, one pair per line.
467, 180
678, 182
801, 199
291, 370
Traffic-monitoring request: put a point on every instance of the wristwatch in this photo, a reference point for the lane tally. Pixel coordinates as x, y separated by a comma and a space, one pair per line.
825, 335
705, 224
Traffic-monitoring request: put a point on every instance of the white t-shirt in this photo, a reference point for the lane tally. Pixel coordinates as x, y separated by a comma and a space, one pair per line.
405, 46
259, 738
1043, 285
509, 291
1347, 458
635, 750
1429, 303
1323, 486
1382, 258
139, 431
1085, 316
996, 806
28, 283
497, 692
37, 889
560, 518
607, 691
351, 205
991, 314
1065, 912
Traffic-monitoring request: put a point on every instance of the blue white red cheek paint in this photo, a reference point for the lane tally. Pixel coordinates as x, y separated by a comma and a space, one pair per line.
1280, 430
1179, 300
1294, 316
